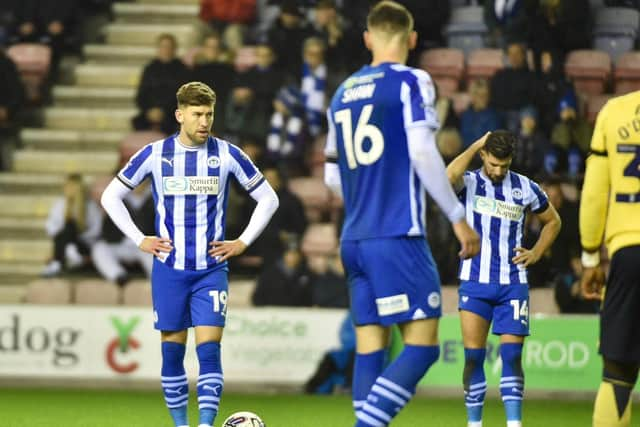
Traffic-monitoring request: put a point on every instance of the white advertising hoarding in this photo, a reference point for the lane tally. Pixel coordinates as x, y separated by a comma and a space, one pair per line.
275, 345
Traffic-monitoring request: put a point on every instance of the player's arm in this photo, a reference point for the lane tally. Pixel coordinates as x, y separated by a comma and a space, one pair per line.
267, 204
551, 224
459, 165
112, 202
593, 211
331, 169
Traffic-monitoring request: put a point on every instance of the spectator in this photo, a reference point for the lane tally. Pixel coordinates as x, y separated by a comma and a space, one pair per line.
211, 66
479, 118
54, 23
114, 250
550, 85
250, 103
330, 287
449, 143
156, 97
508, 21
287, 137
287, 35
12, 98
286, 282
314, 82
512, 87
571, 137
289, 220
74, 224
562, 24
343, 43
528, 156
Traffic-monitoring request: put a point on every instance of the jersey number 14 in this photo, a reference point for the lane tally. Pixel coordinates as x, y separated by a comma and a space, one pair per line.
354, 140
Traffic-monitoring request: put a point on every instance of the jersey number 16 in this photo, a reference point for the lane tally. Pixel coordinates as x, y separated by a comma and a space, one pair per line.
354, 140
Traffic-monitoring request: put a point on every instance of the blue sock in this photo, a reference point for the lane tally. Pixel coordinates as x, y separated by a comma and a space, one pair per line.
512, 381
367, 367
174, 381
210, 381
397, 384
475, 383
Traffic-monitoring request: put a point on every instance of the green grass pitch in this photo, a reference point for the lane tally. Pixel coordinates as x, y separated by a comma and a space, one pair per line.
83, 408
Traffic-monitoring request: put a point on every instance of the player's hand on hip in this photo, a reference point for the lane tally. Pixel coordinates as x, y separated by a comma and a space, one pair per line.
592, 283
156, 245
226, 249
525, 256
468, 238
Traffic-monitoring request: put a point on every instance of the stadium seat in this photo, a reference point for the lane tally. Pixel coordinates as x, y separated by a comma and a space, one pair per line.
594, 105
135, 141
49, 291
615, 30
33, 62
446, 67
483, 63
320, 239
589, 70
245, 58
314, 194
97, 292
137, 293
626, 75
466, 29
461, 101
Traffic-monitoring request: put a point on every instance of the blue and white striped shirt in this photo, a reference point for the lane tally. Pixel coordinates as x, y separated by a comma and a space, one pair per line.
190, 189
497, 212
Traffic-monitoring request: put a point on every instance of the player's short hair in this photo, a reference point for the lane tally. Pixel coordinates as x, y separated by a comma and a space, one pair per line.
500, 144
195, 93
391, 18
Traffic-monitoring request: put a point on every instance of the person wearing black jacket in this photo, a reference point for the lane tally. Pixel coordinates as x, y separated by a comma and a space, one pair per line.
114, 250
12, 98
156, 97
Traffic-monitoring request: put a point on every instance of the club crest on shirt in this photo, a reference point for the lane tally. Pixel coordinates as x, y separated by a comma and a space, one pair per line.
213, 162
516, 193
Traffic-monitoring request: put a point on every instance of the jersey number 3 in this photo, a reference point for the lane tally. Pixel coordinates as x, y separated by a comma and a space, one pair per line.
354, 140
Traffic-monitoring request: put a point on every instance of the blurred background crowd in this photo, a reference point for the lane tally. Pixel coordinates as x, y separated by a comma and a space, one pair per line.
84, 84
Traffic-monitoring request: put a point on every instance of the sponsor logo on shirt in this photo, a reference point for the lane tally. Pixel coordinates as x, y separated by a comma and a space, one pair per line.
190, 185
392, 305
497, 208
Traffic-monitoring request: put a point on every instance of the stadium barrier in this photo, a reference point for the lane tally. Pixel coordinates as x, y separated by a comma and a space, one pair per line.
278, 346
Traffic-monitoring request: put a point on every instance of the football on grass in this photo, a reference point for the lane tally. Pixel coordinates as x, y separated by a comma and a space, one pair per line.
243, 419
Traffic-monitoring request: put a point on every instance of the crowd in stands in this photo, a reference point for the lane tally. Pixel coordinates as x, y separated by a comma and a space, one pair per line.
275, 63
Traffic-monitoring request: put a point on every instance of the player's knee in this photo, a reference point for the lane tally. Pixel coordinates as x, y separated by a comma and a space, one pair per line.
618, 371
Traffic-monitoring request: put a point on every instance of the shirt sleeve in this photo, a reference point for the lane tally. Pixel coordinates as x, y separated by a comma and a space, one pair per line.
418, 97
537, 199
138, 167
244, 170
331, 148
